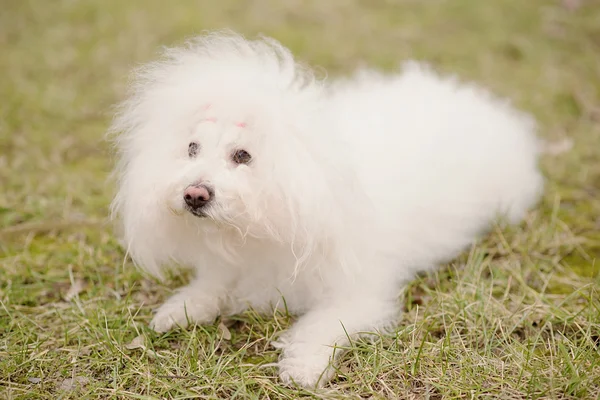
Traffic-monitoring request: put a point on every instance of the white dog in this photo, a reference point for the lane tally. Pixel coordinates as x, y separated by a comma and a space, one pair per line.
282, 190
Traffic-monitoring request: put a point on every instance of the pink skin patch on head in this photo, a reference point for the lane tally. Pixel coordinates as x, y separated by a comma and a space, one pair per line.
208, 106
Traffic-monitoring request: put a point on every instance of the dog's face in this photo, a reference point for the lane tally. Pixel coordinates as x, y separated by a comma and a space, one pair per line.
218, 153
220, 170
223, 166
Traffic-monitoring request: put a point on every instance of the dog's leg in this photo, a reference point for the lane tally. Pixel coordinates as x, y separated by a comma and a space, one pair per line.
308, 348
200, 302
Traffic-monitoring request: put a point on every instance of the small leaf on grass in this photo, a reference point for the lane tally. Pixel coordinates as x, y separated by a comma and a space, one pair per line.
85, 351
71, 384
136, 343
77, 287
152, 354
224, 331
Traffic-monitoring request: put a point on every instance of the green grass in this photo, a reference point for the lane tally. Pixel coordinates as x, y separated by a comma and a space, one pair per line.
518, 317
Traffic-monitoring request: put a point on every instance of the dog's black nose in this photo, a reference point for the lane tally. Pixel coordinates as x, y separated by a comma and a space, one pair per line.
197, 196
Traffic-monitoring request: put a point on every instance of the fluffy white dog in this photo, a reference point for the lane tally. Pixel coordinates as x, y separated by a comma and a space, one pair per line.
283, 190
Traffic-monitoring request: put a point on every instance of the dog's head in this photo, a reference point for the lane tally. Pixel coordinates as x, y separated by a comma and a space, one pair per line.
232, 166
227, 137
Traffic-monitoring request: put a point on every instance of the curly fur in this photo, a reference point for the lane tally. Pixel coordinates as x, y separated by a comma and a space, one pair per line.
354, 186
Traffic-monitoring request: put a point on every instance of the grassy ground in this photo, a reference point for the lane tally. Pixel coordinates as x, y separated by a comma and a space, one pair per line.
518, 317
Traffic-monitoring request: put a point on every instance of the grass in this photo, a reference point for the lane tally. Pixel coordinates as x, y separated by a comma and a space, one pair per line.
517, 317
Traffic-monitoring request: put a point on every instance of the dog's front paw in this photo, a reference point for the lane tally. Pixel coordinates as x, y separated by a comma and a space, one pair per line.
306, 365
181, 310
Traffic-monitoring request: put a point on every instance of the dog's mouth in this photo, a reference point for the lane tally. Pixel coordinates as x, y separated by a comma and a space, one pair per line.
197, 212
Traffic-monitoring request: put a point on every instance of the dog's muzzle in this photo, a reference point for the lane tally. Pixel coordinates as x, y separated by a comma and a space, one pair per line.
197, 197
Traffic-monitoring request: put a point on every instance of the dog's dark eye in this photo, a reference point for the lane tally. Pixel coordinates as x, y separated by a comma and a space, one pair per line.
193, 149
241, 157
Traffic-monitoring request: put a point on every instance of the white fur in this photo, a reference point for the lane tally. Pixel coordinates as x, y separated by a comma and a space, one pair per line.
354, 186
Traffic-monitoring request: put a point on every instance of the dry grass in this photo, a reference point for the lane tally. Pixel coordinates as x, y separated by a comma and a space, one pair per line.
518, 317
